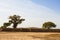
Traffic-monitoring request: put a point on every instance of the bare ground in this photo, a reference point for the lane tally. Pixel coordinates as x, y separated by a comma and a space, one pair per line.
29, 36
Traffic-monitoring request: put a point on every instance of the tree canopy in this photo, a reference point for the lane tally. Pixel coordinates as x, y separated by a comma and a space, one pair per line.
48, 25
15, 20
5, 25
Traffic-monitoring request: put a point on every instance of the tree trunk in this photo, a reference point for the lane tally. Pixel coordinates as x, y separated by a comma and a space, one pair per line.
48, 27
14, 25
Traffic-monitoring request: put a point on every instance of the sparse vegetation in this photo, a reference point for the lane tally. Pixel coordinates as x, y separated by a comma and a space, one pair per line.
16, 19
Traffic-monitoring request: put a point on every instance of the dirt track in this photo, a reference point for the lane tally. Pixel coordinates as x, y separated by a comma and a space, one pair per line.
29, 36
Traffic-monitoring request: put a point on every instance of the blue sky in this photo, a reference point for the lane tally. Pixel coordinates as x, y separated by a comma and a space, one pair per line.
53, 4
35, 12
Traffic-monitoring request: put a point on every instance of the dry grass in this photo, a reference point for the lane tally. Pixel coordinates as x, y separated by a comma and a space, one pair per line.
29, 36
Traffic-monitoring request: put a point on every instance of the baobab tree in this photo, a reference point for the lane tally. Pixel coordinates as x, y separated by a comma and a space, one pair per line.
15, 20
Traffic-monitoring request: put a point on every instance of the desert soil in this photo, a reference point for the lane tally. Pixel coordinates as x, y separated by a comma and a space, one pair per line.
29, 36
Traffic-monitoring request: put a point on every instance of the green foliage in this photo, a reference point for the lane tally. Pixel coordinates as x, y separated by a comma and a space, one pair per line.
15, 20
5, 25
48, 25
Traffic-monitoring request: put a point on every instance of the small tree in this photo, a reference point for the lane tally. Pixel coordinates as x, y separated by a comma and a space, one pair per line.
48, 25
15, 20
5, 25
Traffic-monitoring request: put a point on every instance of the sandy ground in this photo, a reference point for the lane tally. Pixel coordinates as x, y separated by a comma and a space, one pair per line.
29, 36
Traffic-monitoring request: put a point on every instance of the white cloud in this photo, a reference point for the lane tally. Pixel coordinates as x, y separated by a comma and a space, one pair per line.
34, 14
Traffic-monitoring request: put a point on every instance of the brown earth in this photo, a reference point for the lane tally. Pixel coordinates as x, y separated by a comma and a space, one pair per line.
29, 36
